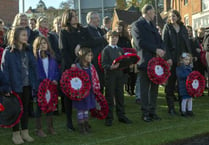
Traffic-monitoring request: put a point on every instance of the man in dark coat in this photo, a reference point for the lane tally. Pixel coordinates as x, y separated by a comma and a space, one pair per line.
98, 41
149, 44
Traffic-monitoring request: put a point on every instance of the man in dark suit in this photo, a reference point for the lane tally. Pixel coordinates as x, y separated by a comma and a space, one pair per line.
149, 44
98, 41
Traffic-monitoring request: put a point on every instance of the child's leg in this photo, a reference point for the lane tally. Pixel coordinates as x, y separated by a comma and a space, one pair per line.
86, 123
50, 123
80, 117
189, 108
183, 105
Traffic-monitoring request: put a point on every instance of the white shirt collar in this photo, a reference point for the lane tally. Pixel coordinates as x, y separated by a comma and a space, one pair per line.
113, 46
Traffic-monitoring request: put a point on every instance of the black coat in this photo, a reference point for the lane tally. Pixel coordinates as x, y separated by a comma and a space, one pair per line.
175, 43
68, 42
146, 39
124, 42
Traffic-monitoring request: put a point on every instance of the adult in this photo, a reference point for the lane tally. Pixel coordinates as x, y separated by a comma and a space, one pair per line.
32, 23
106, 24
42, 26
98, 41
175, 39
147, 41
72, 37
2, 34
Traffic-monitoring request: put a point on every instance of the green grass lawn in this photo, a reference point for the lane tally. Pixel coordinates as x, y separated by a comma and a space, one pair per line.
139, 133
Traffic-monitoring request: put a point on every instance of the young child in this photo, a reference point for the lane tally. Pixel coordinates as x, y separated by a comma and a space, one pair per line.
182, 71
46, 68
83, 106
19, 68
114, 79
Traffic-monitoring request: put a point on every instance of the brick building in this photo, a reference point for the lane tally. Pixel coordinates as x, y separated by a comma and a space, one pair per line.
8, 10
193, 12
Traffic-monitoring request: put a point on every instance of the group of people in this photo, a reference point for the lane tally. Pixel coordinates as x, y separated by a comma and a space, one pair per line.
34, 52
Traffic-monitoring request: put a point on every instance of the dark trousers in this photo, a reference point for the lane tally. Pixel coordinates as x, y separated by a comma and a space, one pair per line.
170, 88
25, 97
149, 93
114, 88
68, 110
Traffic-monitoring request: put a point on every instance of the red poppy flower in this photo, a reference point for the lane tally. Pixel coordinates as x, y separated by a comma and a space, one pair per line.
100, 62
158, 70
75, 84
47, 96
195, 84
1, 108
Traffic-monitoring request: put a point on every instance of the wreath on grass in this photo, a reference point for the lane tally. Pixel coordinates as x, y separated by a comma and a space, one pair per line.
47, 96
75, 84
195, 84
158, 70
101, 110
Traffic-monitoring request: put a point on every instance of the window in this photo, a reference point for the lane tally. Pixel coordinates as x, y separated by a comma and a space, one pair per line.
186, 20
185, 2
205, 5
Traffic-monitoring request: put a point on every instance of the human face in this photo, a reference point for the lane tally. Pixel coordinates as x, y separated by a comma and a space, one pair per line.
32, 24
24, 21
95, 20
119, 29
2, 27
44, 23
108, 25
151, 14
200, 33
43, 45
189, 32
187, 60
57, 26
89, 57
173, 18
74, 19
113, 40
23, 37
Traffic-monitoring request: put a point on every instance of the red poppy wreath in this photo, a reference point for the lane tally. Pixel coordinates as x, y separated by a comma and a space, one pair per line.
129, 50
126, 60
47, 96
158, 70
195, 84
101, 109
1, 108
100, 62
75, 84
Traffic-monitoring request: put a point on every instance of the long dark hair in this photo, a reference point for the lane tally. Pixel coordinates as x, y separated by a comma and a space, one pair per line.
66, 18
177, 15
124, 32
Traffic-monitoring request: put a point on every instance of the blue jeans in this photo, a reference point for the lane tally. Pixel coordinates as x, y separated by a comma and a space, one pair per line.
138, 92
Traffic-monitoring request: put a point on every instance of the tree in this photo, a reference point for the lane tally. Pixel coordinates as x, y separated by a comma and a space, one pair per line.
67, 4
121, 4
147, 2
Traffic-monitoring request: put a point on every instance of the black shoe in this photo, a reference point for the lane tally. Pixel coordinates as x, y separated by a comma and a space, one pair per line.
146, 118
190, 113
108, 122
56, 113
138, 101
155, 117
124, 120
172, 112
184, 114
71, 129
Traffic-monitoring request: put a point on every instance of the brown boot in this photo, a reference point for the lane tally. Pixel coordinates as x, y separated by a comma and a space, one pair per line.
16, 138
39, 131
82, 128
25, 136
87, 126
50, 125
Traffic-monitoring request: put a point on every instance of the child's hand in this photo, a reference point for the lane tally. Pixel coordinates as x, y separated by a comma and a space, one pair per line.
54, 82
7, 94
114, 66
170, 62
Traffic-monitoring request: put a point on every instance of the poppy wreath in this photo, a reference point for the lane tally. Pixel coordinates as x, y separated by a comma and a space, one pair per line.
100, 62
20, 114
126, 60
1, 53
1, 108
129, 50
50, 105
101, 110
195, 84
82, 90
155, 64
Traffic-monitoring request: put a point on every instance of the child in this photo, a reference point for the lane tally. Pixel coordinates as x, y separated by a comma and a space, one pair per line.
83, 106
182, 72
47, 68
114, 79
19, 67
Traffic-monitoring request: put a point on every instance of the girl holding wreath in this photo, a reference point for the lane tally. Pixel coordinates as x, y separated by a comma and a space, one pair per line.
182, 71
46, 68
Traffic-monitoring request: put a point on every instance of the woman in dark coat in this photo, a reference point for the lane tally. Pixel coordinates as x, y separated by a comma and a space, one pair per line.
175, 39
72, 37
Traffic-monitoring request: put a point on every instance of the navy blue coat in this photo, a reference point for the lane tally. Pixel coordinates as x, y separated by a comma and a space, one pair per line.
182, 72
4, 84
146, 39
12, 69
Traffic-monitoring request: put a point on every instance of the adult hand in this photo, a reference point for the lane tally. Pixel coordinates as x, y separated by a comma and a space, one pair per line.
160, 52
54, 82
114, 66
170, 61
7, 94
77, 48
198, 50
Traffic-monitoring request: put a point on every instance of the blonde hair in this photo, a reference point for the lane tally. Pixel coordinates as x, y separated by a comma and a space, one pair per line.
57, 19
39, 20
17, 19
183, 56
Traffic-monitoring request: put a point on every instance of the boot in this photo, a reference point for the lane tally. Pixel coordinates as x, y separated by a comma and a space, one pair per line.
50, 125
82, 129
25, 136
39, 132
16, 138
87, 126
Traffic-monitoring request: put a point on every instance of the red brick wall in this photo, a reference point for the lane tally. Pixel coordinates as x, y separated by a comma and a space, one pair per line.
8, 10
